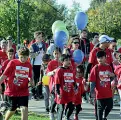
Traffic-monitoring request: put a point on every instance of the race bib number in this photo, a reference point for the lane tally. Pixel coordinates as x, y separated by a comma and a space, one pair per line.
21, 73
68, 79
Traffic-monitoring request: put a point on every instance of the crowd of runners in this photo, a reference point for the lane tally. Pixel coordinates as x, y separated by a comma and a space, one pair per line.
54, 75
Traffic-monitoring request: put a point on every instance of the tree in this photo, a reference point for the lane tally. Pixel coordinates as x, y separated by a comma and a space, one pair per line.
34, 15
70, 17
106, 18
96, 3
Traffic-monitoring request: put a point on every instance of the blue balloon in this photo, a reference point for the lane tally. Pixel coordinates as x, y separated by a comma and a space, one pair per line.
60, 39
81, 20
78, 56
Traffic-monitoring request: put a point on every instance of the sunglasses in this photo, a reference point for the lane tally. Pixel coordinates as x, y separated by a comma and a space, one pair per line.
76, 42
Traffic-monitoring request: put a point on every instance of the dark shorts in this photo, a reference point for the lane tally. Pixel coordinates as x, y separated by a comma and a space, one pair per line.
17, 102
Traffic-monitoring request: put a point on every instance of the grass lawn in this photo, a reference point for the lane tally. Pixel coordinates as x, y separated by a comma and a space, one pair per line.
31, 116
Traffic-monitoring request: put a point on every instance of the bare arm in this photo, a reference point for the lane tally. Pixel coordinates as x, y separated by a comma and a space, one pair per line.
31, 82
2, 78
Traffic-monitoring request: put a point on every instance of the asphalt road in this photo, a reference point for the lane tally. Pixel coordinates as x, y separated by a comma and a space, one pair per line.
86, 114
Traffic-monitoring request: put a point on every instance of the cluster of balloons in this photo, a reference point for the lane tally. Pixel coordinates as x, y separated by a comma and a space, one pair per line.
60, 33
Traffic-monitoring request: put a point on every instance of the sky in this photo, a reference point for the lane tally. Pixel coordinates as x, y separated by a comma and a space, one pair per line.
83, 3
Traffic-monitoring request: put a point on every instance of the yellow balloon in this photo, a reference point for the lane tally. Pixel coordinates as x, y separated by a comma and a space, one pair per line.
45, 80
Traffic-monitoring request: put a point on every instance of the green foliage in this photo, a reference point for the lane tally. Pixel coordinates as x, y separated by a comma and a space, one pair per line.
31, 116
34, 15
95, 3
106, 19
70, 17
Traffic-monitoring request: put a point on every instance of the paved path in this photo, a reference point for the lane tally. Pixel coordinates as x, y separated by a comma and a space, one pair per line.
86, 114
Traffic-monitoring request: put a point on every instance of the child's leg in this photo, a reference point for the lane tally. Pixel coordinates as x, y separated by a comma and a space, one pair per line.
60, 111
78, 109
2, 92
9, 114
119, 91
95, 105
70, 110
53, 103
66, 109
52, 106
100, 108
23, 104
13, 106
24, 113
109, 106
46, 97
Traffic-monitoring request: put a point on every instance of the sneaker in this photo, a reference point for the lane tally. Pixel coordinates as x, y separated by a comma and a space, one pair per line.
104, 118
47, 110
51, 115
41, 97
84, 100
67, 118
76, 117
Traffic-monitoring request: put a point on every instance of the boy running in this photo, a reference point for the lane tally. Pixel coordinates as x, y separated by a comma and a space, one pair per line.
100, 83
18, 74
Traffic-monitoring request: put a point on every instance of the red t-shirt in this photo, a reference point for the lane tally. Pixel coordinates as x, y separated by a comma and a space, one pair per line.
3, 57
91, 46
52, 65
99, 75
17, 78
118, 74
93, 58
5, 63
65, 78
77, 99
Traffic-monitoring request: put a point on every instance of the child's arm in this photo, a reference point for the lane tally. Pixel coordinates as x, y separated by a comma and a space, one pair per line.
31, 82
57, 88
51, 73
2, 78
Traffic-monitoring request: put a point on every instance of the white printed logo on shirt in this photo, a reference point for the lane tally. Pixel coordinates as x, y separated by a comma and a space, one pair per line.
21, 73
68, 79
104, 76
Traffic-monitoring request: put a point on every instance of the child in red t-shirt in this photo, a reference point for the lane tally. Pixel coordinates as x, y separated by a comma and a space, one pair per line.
118, 75
100, 84
3, 57
65, 85
51, 69
10, 54
18, 74
80, 90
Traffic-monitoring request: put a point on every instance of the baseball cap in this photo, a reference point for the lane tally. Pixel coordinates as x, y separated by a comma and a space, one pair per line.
105, 38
